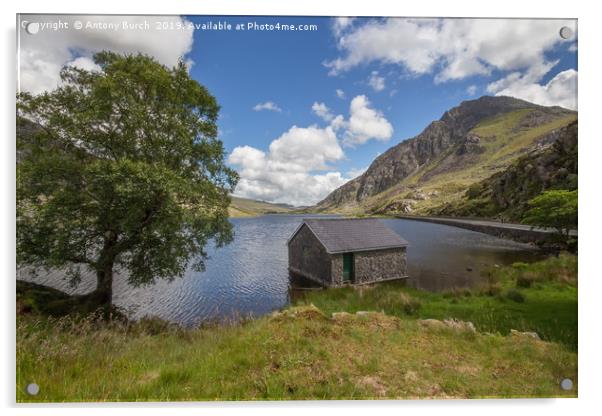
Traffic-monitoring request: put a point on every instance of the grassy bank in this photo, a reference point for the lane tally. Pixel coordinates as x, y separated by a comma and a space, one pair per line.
304, 353
539, 297
297, 355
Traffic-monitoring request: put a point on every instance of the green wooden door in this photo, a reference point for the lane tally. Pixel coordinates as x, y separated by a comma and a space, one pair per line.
347, 267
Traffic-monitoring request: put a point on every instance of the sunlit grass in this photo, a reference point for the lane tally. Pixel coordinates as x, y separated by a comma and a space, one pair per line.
303, 353
296, 356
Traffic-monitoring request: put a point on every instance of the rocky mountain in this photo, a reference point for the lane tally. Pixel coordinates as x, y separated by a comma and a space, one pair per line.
467, 144
551, 166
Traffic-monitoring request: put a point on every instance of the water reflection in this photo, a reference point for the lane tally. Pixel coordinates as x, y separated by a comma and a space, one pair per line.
442, 257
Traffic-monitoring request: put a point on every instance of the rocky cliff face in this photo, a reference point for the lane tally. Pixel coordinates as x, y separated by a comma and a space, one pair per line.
551, 165
448, 143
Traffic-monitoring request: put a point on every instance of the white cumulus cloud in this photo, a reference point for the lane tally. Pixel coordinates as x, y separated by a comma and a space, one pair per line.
340, 24
295, 169
83, 62
560, 90
297, 166
340, 93
268, 105
322, 111
376, 81
454, 49
365, 123
305, 149
338, 123
41, 56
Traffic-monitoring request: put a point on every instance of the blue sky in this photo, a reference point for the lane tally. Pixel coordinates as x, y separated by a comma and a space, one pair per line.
290, 70
302, 112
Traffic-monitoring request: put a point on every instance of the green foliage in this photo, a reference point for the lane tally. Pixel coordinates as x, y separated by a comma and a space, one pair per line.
524, 281
474, 191
554, 209
123, 169
491, 289
515, 295
520, 265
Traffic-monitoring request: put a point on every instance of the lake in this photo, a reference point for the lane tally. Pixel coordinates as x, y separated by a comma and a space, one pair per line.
249, 277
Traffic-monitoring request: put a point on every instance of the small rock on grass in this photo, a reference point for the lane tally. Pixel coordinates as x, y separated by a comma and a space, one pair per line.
432, 323
338, 316
461, 326
532, 335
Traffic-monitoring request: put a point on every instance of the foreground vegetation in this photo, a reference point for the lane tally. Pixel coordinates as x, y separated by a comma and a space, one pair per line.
539, 297
305, 352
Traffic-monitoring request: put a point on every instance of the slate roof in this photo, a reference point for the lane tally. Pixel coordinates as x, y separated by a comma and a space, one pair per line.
340, 235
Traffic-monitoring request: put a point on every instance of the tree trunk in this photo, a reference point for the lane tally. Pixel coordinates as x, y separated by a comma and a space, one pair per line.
104, 285
104, 271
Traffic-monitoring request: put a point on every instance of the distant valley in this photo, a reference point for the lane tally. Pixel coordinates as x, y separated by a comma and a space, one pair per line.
242, 207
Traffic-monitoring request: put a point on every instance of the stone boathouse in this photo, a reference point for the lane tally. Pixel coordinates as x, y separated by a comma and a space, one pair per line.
335, 252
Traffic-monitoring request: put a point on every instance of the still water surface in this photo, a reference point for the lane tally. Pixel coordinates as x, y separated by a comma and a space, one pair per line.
249, 277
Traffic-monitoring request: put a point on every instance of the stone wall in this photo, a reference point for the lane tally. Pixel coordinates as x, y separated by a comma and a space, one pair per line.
336, 269
308, 258
371, 266
374, 266
524, 234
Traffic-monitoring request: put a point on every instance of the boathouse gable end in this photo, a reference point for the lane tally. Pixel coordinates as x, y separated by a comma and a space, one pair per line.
308, 257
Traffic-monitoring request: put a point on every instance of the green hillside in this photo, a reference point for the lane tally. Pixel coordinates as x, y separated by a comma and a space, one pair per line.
242, 207
508, 192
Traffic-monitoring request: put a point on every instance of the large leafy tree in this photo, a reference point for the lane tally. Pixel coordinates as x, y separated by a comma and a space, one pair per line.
121, 168
555, 209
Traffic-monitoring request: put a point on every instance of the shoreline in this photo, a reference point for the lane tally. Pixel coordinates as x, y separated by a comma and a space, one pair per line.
493, 292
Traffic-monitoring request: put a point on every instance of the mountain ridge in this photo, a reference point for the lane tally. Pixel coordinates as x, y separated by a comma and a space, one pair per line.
462, 140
